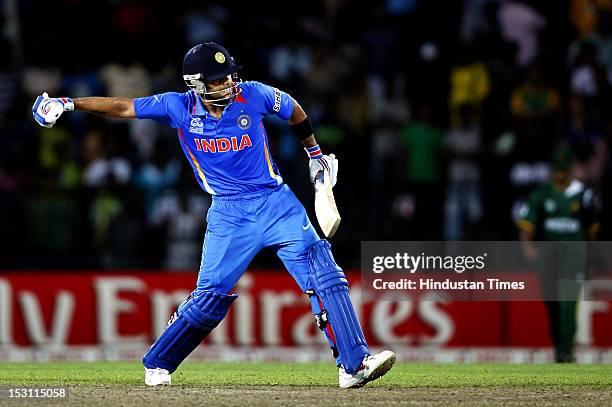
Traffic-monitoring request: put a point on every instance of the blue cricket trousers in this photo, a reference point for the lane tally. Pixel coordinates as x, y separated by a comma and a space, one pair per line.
240, 226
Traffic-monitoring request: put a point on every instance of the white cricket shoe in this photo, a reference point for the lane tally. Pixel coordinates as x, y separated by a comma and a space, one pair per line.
371, 368
157, 376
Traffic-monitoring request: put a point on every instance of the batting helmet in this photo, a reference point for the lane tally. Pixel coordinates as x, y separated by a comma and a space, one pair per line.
209, 62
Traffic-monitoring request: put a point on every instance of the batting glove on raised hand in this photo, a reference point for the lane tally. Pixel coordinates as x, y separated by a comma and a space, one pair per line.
319, 162
47, 110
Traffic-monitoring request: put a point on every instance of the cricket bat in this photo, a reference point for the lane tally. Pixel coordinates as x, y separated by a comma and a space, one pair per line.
325, 204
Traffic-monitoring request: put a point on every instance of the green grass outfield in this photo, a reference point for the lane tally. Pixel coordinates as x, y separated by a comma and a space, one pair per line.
403, 375
315, 384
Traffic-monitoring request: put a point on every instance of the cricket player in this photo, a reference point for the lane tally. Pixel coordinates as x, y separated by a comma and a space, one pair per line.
562, 210
220, 129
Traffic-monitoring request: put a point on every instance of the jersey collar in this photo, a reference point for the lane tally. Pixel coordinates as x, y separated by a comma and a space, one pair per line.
197, 108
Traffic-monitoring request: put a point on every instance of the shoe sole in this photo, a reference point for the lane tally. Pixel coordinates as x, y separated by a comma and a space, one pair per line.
381, 370
377, 373
158, 384
168, 383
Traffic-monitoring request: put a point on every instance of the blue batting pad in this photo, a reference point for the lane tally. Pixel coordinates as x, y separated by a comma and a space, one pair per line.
330, 284
196, 317
322, 323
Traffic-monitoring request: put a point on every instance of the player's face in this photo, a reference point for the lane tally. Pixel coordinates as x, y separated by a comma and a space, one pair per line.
219, 90
561, 177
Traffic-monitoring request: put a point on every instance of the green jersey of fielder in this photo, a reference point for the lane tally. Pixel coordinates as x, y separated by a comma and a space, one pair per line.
562, 211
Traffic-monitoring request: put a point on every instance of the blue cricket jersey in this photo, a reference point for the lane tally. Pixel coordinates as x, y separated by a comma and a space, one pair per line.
229, 155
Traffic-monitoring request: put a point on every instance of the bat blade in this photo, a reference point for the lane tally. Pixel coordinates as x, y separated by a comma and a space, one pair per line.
325, 205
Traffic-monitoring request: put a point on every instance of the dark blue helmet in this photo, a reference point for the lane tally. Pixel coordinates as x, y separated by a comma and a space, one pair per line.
208, 62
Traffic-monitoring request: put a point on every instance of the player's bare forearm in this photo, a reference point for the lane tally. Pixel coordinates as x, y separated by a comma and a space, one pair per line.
118, 108
310, 141
530, 250
593, 231
525, 236
298, 116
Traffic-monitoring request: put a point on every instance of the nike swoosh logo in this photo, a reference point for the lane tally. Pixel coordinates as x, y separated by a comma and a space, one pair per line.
306, 227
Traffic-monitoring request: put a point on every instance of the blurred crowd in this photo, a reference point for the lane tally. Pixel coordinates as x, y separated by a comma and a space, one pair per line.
443, 115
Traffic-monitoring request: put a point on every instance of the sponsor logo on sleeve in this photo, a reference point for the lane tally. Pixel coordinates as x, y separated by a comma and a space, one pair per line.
277, 100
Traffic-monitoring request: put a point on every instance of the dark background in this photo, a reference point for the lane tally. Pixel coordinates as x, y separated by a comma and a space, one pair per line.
443, 115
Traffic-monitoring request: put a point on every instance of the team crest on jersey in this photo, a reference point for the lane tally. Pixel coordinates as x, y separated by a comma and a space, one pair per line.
244, 121
196, 126
550, 206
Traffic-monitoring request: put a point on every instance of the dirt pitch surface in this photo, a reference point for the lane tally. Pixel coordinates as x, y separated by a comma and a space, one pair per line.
301, 396
281, 384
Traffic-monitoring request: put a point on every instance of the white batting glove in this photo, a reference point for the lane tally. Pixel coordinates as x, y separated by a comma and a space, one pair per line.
319, 162
47, 110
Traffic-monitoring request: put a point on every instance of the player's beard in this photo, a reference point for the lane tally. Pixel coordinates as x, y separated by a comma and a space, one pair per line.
222, 97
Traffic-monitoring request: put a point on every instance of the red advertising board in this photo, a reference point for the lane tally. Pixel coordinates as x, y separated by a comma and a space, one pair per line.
84, 308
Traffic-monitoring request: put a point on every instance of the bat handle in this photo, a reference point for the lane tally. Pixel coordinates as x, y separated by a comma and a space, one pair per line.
320, 177
319, 180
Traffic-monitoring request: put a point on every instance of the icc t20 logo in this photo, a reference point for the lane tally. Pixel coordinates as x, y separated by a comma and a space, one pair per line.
196, 126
